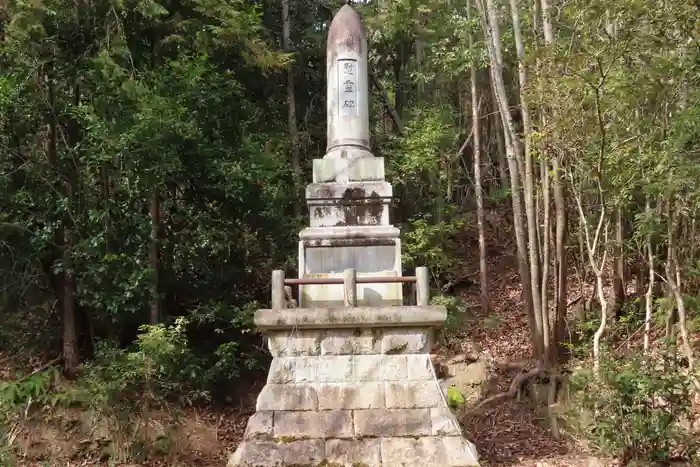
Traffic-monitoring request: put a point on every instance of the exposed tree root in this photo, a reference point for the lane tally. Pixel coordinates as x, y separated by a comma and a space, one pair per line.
515, 388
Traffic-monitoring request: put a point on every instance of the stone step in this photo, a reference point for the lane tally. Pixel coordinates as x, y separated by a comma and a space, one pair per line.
453, 451
355, 395
280, 425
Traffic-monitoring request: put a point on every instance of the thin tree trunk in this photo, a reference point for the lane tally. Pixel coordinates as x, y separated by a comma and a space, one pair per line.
291, 108
154, 257
478, 189
500, 144
560, 215
65, 288
560, 251
673, 276
492, 34
598, 269
618, 285
546, 338
532, 224
649, 298
546, 22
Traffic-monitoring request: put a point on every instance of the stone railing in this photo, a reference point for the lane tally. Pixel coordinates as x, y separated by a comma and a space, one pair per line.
282, 297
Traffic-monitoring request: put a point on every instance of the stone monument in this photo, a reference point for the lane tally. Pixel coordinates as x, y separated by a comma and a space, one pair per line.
351, 382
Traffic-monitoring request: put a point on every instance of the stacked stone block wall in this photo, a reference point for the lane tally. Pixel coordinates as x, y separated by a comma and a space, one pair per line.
349, 397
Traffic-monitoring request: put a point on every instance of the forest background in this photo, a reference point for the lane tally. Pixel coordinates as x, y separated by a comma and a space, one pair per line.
153, 159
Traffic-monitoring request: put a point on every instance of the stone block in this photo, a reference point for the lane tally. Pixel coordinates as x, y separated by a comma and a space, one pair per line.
326, 424
310, 369
420, 368
287, 397
380, 368
386, 422
295, 343
413, 395
406, 341
444, 423
460, 452
365, 452
350, 396
414, 452
349, 342
350, 318
259, 424
257, 453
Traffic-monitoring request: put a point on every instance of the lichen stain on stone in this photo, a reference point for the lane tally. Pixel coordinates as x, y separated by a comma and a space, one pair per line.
322, 211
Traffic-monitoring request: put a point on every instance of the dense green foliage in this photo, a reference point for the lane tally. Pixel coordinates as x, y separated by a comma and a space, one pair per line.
147, 188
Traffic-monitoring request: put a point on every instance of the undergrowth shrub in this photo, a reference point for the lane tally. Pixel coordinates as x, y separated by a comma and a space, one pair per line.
159, 368
637, 409
456, 309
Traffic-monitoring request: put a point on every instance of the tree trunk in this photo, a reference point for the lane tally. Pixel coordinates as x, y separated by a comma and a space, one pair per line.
560, 251
649, 297
154, 257
292, 109
513, 148
532, 224
478, 189
618, 282
673, 276
546, 221
546, 22
500, 144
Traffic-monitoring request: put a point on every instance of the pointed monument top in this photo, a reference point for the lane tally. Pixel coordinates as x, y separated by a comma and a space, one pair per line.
347, 31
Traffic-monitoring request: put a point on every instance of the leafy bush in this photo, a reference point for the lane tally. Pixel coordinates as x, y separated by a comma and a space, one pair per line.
636, 408
159, 368
456, 309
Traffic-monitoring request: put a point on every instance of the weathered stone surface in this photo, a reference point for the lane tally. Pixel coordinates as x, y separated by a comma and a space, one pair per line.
412, 452
310, 369
326, 424
256, 453
395, 422
334, 318
380, 368
419, 367
432, 451
365, 452
295, 343
287, 397
460, 452
259, 424
365, 169
349, 342
412, 395
350, 396
444, 423
407, 340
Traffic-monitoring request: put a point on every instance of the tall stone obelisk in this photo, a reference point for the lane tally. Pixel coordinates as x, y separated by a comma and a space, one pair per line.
349, 198
350, 386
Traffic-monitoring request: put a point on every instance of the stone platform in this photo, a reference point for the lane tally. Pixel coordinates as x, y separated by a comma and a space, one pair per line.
352, 387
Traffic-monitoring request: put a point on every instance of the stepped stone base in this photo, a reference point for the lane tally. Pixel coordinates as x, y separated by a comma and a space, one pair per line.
431, 451
352, 387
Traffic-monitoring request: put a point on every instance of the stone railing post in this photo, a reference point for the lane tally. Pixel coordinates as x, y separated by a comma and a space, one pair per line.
278, 290
422, 286
350, 286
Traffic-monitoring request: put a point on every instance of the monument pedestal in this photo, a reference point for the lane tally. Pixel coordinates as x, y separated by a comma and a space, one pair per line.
350, 387
350, 229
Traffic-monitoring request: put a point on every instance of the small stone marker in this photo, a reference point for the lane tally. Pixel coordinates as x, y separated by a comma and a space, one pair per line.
351, 381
